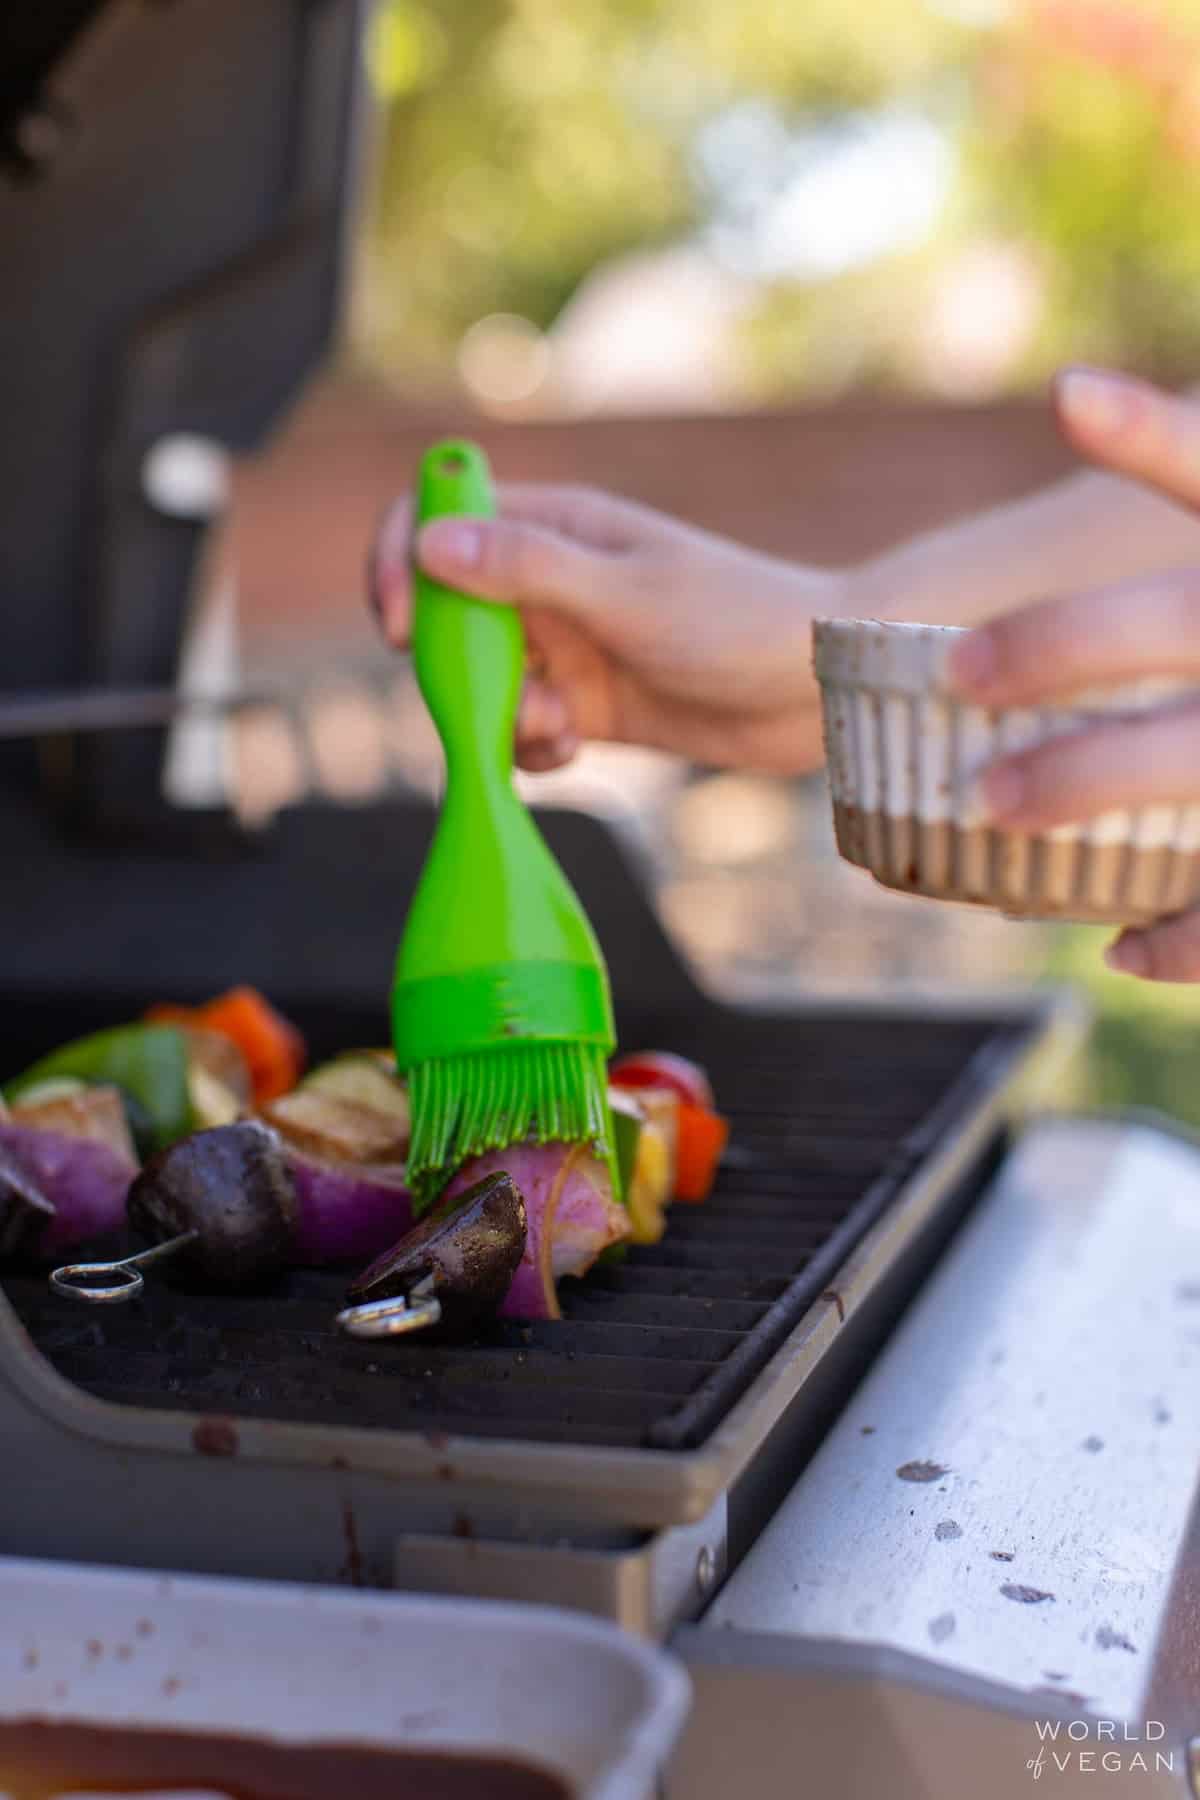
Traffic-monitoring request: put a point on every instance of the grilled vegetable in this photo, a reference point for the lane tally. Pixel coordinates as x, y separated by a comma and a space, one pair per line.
649, 1192
213, 1103
148, 1063
85, 1183
663, 1069
649, 1173
327, 1125
571, 1217
703, 1136
232, 1186
219, 1057
25, 1212
467, 1250
345, 1212
272, 1047
364, 1078
698, 1134
94, 1114
628, 1117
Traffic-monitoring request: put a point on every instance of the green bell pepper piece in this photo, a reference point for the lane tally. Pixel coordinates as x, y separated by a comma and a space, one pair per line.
149, 1063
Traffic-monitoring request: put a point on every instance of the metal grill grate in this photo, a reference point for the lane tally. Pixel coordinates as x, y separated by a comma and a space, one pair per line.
830, 1115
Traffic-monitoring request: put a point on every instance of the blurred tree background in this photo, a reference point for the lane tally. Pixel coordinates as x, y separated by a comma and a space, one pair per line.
939, 195
620, 204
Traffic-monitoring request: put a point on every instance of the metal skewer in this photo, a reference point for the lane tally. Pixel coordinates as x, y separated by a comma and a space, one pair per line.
73, 1279
395, 1317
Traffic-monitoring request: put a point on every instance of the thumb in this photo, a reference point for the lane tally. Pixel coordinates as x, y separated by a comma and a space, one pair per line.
503, 559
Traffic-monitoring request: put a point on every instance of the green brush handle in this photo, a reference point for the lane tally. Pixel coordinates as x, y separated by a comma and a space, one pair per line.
469, 654
497, 946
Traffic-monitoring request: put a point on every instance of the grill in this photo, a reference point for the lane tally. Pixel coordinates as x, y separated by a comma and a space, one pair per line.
830, 1117
623, 1459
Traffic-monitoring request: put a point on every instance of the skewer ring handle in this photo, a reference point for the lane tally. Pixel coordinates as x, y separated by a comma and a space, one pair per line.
390, 1318
74, 1281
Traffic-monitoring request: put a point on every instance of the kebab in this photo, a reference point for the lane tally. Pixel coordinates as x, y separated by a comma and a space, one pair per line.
326, 1155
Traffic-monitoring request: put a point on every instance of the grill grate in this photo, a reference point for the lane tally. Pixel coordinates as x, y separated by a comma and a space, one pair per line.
830, 1115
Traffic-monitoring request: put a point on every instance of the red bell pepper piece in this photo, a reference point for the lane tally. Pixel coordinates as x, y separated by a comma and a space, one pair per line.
663, 1069
274, 1050
703, 1135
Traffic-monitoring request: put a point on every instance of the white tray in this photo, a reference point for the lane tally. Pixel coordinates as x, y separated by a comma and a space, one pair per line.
300, 1664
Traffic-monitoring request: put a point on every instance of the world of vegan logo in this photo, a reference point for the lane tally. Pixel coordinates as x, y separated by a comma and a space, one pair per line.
1100, 1747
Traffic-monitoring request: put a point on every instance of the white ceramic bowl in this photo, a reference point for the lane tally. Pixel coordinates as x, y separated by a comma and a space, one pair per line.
904, 756
308, 1665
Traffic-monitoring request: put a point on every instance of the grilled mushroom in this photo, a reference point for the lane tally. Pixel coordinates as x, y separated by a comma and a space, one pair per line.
464, 1254
232, 1188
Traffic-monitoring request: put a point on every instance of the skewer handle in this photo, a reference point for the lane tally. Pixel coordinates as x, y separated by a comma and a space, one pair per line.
76, 1281
395, 1317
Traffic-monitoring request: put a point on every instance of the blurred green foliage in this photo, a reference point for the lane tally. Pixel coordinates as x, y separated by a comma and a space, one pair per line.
524, 142
1084, 143
1144, 1048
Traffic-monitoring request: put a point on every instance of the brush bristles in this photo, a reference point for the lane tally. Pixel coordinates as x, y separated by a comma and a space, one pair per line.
524, 1093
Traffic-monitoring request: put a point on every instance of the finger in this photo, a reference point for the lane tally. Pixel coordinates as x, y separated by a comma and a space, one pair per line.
547, 754
505, 559
594, 519
1149, 761
1166, 952
1058, 647
389, 579
1133, 429
543, 715
546, 737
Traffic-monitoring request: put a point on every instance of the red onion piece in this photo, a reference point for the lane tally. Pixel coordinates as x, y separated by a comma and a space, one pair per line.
346, 1212
86, 1183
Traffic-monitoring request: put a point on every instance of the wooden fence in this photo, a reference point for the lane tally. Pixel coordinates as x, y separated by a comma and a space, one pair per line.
828, 485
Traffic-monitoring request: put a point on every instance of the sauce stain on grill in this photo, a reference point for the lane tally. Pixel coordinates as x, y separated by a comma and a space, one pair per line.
922, 1471
1025, 1596
352, 1569
215, 1437
832, 1295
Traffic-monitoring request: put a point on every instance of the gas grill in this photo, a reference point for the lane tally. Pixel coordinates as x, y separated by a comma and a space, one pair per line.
893, 1440
674, 1401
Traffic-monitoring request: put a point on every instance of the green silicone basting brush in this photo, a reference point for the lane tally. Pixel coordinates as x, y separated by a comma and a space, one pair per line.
501, 1012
